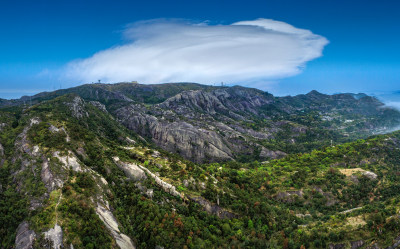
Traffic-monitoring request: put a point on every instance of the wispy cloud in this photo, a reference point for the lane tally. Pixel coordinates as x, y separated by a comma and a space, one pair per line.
393, 104
178, 51
389, 98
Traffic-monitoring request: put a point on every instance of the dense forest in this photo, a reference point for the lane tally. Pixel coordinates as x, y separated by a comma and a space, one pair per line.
71, 168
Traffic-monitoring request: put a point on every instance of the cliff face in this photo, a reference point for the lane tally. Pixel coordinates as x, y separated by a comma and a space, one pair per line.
219, 124
178, 136
194, 123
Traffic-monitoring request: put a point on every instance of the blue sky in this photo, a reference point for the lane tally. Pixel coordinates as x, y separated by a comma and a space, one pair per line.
39, 38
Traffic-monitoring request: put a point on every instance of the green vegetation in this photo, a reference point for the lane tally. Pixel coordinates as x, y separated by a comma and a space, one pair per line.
311, 198
13, 208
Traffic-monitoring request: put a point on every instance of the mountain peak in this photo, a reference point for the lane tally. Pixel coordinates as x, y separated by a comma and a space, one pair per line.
315, 93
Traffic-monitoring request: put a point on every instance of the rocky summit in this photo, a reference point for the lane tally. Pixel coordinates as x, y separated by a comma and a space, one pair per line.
184, 165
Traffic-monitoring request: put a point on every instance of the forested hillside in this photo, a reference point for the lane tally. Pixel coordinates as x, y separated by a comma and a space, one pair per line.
193, 166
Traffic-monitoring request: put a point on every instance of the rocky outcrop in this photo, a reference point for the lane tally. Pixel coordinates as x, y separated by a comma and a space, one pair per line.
21, 143
330, 198
98, 105
357, 244
77, 107
55, 235
212, 208
137, 172
167, 187
69, 160
131, 170
194, 123
354, 171
50, 181
289, 196
370, 175
1, 151
265, 153
396, 243
123, 241
337, 246
2, 159
190, 141
130, 140
25, 237
2, 125
225, 100
54, 129
351, 210
361, 243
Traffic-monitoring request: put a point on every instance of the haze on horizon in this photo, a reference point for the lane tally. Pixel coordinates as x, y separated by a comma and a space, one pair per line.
285, 47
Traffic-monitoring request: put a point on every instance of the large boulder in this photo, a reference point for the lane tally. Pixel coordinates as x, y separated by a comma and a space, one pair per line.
25, 237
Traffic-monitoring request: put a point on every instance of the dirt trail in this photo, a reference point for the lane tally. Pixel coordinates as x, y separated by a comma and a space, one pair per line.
58, 202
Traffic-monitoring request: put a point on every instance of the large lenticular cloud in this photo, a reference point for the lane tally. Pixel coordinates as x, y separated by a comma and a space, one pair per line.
177, 51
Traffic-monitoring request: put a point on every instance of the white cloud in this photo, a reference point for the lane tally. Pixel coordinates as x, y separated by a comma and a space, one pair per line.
393, 104
178, 51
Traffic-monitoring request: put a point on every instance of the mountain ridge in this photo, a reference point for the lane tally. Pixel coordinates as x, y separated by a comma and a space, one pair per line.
208, 123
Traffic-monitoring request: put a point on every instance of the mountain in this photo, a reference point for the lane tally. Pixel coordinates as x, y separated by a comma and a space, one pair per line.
193, 166
207, 123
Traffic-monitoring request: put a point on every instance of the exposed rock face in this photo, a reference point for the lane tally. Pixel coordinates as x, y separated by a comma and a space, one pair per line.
25, 237
98, 105
2, 125
54, 129
55, 235
370, 175
138, 172
209, 125
331, 200
190, 141
169, 188
123, 241
357, 244
350, 210
130, 140
289, 196
69, 160
396, 243
131, 170
265, 153
1, 158
227, 100
50, 181
337, 246
1, 151
353, 171
213, 208
190, 122
21, 143
77, 108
